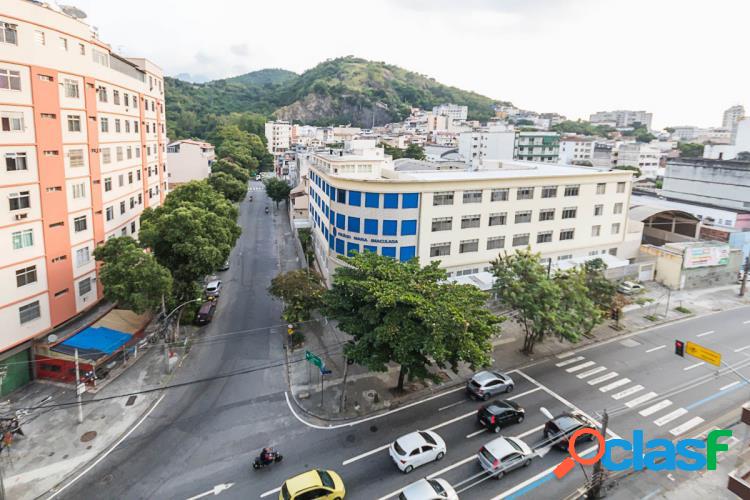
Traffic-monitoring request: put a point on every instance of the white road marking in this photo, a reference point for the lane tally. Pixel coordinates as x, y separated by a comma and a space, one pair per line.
565, 355
371, 452
683, 428
593, 371
657, 348
213, 491
599, 380
270, 492
451, 405
569, 361
524, 393
475, 433
746, 322
742, 348
627, 392
724, 388
705, 333
576, 368
615, 385
640, 399
670, 416
657, 407
696, 365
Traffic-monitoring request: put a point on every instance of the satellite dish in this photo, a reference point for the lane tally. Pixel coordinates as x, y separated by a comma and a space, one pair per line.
73, 11
51, 338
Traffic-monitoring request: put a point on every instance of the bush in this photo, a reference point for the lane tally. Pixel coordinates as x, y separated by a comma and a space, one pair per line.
683, 310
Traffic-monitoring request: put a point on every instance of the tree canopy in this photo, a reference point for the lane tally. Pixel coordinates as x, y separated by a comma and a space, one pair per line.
414, 151
231, 188
229, 167
302, 292
690, 150
277, 189
201, 194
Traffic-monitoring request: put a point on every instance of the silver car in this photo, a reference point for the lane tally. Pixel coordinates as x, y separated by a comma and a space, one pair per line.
486, 384
503, 455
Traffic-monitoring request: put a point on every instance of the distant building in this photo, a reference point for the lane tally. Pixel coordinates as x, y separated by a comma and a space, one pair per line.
454, 111
622, 118
602, 154
716, 183
496, 143
537, 146
189, 160
732, 117
576, 150
640, 155
278, 136
740, 144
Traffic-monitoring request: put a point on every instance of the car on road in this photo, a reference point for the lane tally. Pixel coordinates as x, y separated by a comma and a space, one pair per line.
504, 454
630, 288
417, 448
485, 384
429, 489
224, 266
213, 289
558, 430
257, 177
313, 484
205, 313
500, 413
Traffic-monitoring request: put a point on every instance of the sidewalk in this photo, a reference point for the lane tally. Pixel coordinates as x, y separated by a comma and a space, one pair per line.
370, 392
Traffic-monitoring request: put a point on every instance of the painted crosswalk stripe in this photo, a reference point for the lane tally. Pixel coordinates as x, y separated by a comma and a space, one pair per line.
696, 365
569, 361
615, 385
724, 388
599, 380
641, 399
627, 392
593, 371
657, 407
657, 348
742, 348
580, 367
565, 355
670, 416
683, 428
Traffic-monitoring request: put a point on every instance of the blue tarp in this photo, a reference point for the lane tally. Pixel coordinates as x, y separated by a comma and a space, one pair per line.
96, 341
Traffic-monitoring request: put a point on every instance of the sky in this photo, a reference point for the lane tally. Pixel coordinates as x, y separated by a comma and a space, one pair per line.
685, 61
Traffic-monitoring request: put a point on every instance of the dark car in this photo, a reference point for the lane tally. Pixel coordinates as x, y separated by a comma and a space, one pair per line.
558, 430
499, 414
206, 313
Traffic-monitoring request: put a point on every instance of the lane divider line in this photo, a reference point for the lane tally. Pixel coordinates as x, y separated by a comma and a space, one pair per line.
705, 333
724, 388
696, 365
657, 348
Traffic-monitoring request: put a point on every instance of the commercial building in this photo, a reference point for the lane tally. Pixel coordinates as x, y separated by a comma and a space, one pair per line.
454, 111
622, 118
360, 201
537, 146
641, 156
576, 150
718, 183
278, 136
83, 140
189, 160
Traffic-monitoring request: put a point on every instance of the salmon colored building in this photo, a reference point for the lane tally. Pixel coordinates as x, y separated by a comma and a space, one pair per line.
82, 152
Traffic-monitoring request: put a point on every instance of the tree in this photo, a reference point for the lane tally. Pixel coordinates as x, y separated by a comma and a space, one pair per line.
393, 151
277, 189
201, 194
414, 151
631, 168
743, 156
601, 290
406, 314
690, 150
578, 313
306, 240
231, 188
231, 168
132, 278
302, 292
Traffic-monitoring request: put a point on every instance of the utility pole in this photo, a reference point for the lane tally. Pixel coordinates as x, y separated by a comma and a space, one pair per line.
669, 296
744, 276
78, 391
342, 404
598, 478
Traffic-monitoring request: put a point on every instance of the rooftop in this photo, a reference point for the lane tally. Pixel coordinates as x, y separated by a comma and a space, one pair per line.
508, 170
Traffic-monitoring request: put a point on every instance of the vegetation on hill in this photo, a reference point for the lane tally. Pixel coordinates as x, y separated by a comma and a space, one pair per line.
581, 127
270, 76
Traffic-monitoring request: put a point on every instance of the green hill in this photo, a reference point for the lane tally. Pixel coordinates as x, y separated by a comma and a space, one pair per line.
271, 76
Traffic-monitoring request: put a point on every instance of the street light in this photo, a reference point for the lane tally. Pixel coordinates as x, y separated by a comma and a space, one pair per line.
165, 320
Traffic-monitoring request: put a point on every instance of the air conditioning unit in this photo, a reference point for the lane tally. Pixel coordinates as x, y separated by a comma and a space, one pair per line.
21, 216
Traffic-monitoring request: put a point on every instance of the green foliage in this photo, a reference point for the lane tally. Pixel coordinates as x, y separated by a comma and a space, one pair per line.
241, 147
683, 310
395, 152
743, 156
581, 127
601, 290
302, 292
277, 189
306, 240
651, 317
231, 188
690, 150
407, 314
414, 151
270, 76
132, 278
201, 194
228, 167
631, 168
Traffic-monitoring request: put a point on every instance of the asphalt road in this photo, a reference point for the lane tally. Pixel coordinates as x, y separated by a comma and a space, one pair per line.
202, 438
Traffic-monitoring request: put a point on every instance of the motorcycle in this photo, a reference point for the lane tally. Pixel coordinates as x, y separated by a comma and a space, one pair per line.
259, 464
251, 198
266, 209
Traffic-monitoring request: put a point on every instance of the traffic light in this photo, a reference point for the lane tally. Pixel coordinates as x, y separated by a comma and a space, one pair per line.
679, 348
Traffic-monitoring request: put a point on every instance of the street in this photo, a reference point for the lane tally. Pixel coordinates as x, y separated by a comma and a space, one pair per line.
201, 439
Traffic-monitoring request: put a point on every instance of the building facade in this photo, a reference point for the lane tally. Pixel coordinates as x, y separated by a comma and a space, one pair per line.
189, 160
576, 150
454, 111
732, 117
622, 118
82, 137
494, 143
718, 183
278, 136
537, 146
640, 155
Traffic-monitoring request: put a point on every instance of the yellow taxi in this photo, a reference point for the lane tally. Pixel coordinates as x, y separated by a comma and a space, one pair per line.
312, 485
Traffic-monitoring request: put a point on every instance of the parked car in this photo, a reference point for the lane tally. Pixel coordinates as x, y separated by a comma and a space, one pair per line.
205, 313
213, 289
224, 266
257, 177
417, 448
429, 489
630, 288
499, 414
313, 484
559, 429
486, 384
503, 455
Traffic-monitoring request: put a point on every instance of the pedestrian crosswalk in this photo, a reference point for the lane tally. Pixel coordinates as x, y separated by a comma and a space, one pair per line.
256, 188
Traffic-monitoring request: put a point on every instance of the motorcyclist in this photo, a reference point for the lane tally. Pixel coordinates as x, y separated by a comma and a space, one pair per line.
266, 209
267, 456
251, 198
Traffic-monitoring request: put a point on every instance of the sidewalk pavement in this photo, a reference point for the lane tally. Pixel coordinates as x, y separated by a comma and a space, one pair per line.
370, 392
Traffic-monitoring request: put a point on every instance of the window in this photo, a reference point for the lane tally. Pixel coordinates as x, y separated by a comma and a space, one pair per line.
132, 202
137, 172
15, 161
40, 38
132, 227
620, 187
106, 155
616, 228
549, 192
613, 251
499, 194
80, 223
23, 239
566, 234
64, 44
442, 198
372, 200
118, 153
390, 200
390, 227
544, 237
25, 276
524, 193
355, 198
340, 193
74, 123
103, 94
498, 219
472, 196
569, 213
601, 188
408, 227
596, 230
126, 100
84, 287
520, 239
127, 128
353, 224
104, 124
371, 226
110, 213
495, 242
48, 116
83, 256
467, 246
547, 214
11, 122
468, 221
116, 97
20, 200
618, 208
442, 224
29, 312
108, 184
410, 200
117, 125
79, 190
82, 49
10, 79
440, 249
572, 190
523, 216
122, 207
598, 210
100, 57
135, 129
75, 156
8, 33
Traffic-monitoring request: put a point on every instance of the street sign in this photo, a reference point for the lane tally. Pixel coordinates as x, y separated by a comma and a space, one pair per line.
703, 353
80, 389
312, 358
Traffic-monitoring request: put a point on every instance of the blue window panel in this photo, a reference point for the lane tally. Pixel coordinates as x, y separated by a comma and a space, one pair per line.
408, 227
340, 246
352, 248
406, 253
353, 224
390, 228
330, 241
341, 221
371, 248
333, 193
409, 200
355, 198
388, 251
341, 195
372, 200
371, 226
390, 200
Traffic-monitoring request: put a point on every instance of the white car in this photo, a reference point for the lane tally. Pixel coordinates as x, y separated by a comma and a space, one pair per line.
429, 489
504, 454
417, 448
629, 288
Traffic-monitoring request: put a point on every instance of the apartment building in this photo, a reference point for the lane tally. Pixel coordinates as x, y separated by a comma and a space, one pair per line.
82, 135
622, 118
537, 146
359, 201
454, 111
575, 150
732, 117
495, 143
189, 160
278, 136
640, 155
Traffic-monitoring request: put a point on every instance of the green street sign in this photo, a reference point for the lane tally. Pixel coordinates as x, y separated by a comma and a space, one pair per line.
312, 358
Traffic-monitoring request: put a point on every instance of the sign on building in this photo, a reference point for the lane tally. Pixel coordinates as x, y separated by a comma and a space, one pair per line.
712, 255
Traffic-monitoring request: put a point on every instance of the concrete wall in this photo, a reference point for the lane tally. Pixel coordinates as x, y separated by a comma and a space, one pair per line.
705, 277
